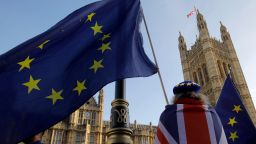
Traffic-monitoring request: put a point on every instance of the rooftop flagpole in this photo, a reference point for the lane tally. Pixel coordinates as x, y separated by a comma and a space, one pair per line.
154, 55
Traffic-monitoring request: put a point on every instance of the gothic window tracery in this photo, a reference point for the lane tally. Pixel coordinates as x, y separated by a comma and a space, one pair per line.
225, 68
195, 77
92, 138
58, 134
93, 118
80, 138
206, 76
200, 77
220, 69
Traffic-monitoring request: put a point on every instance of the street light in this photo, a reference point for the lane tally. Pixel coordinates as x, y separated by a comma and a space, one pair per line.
120, 132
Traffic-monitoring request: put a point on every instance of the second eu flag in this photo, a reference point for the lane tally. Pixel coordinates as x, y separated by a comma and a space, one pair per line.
237, 124
46, 78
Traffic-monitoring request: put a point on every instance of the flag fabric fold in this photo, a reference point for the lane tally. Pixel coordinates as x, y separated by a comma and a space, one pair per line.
46, 78
237, 124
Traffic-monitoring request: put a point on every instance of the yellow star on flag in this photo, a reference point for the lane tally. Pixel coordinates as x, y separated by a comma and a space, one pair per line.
232, 121
96, 65
25, 63
104, 47
96, 28
89, 17
80, 87
55, 96
41, 46
237, 108
32, 84
233, 136
106, 36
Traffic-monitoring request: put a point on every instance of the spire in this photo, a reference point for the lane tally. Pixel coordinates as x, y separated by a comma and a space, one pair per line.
181, 38
182, 47
222, 28
199, 14
224, 33
182, 43
101, 98
202, 26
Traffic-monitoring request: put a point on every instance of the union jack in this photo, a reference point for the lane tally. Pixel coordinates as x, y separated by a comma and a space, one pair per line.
192, 12
189, 124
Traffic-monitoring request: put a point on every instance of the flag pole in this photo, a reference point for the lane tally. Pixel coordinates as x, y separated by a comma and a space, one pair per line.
155, 59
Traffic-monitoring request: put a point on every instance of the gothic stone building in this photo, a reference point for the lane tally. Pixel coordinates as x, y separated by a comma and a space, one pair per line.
86, 126
208, 62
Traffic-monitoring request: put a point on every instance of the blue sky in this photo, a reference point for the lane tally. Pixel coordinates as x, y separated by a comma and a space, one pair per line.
22, 20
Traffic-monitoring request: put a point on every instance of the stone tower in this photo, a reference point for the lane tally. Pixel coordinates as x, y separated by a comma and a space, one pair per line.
208, 62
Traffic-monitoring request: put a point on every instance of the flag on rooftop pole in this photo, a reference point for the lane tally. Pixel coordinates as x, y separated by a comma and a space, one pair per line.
191, 12
237, 124
46, 78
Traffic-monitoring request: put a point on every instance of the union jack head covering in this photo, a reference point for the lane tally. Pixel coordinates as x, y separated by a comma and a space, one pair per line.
186, 86
190, 124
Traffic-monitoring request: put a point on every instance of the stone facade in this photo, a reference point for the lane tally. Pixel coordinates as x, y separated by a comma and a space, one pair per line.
86, 126
209, 61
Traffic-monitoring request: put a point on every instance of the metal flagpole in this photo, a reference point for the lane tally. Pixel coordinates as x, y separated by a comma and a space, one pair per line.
154, 55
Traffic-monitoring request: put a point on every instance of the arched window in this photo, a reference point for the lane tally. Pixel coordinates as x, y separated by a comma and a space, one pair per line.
58, 135
220, 69
80, 117
200, 77
92, 138
80, 138
202, 26
195, 77
93, 118
206, 76
199, 26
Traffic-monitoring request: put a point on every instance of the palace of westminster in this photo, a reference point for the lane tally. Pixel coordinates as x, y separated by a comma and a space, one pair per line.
207, 62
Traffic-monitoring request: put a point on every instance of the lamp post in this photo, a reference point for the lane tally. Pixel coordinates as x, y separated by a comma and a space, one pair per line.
119, 132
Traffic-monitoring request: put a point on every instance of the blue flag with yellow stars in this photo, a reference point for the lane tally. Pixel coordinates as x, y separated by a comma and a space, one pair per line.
237, 124
46, 78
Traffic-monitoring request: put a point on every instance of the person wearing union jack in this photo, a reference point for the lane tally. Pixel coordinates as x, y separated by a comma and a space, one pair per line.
190, 119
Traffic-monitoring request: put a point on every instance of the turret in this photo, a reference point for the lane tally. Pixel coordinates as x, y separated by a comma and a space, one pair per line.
225, 36
101, 99
182, 46
183, 55
202, 26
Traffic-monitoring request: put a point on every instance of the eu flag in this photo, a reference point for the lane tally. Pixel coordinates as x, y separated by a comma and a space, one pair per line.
46, 78
237, 124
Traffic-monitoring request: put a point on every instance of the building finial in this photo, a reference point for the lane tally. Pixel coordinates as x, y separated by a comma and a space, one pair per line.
197, 11
221, 23
222, 27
